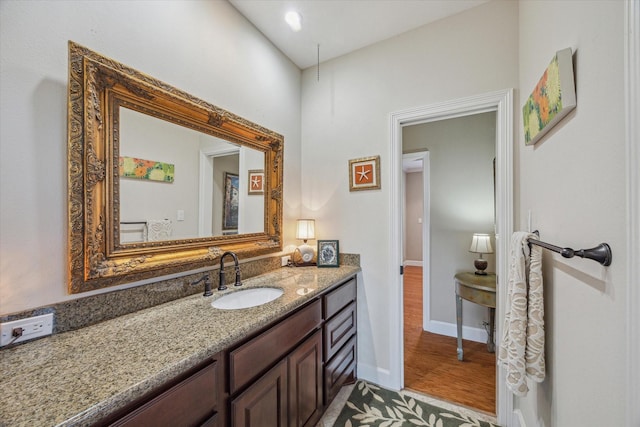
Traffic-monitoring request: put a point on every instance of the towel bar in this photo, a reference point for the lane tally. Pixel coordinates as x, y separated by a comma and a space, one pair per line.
601, 253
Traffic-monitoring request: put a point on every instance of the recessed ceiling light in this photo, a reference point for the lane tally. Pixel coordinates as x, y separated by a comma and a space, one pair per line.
294, 19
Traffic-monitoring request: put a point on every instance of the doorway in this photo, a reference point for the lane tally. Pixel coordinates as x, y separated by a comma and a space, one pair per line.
448, 197
502, 103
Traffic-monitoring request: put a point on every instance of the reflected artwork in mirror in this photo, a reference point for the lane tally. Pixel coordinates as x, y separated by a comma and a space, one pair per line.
147, 171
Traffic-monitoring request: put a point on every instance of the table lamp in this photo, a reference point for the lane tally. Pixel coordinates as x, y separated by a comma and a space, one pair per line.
305, 254
481, 244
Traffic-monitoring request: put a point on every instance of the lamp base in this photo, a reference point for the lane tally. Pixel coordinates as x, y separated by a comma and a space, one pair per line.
304, 256
480, 265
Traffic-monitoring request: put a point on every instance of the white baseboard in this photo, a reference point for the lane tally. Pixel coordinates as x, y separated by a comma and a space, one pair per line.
411, 263
376, 375
450, 330
518, 419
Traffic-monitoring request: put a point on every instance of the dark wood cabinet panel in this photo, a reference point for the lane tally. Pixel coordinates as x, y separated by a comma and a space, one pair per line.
338, 330
265, 403
337, 299
305, 383
250, 360
340, 370
192, 402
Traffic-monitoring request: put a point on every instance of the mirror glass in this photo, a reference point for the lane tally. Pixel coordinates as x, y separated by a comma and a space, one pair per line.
178, 183
160, 181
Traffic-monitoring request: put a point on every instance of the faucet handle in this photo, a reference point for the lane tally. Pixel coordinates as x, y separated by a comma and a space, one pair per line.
207, 285
238, 281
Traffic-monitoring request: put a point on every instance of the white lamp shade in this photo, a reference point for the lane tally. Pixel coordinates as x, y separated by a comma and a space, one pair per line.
481, 244
306, 229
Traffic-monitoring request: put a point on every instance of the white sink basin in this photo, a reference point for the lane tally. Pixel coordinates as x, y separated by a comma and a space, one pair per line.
247, 298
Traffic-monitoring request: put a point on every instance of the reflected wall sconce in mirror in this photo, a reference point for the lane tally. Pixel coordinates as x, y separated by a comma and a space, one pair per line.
481, 244
304, 254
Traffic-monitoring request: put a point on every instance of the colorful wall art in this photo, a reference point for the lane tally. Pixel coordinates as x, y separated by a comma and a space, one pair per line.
131, 167
553, 98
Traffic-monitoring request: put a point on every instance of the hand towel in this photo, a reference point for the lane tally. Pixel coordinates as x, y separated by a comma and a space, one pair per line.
522, 347
159, 229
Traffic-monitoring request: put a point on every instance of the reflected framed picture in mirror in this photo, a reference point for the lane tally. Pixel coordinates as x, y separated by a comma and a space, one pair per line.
328, 253
231, 193
256, 182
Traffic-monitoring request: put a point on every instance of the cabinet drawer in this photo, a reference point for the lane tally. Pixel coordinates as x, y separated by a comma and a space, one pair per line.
191, 402
339, 370
251, 359
338, 330
337, 299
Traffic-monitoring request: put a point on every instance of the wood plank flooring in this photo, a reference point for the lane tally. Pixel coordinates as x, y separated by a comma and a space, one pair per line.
431, 364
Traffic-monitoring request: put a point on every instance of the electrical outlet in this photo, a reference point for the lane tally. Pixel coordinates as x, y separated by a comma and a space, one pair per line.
285, 260
26, 329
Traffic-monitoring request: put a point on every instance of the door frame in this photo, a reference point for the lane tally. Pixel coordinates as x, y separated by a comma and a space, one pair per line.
632, 109
502, 103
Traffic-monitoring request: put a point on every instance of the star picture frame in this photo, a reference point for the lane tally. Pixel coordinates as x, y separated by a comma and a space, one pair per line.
256, 182
364, 173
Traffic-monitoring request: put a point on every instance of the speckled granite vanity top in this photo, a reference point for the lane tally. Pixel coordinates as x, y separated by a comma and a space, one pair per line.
75, 378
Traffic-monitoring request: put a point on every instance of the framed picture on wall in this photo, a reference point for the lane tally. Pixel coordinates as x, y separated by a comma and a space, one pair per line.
328, 253
230, 206
256, 182
552, 99
364, 174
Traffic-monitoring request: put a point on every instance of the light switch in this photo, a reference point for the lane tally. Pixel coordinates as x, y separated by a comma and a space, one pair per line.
419, 220
180, 215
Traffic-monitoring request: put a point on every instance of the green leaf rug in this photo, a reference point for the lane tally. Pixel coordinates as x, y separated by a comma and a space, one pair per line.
370, 405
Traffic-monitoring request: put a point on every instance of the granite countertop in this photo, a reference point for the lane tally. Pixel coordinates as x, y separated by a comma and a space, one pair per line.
76, 378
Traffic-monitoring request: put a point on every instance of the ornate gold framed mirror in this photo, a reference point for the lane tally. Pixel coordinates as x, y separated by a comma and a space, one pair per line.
158, 179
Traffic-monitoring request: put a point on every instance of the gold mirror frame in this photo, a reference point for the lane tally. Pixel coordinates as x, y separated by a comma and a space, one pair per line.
98, 86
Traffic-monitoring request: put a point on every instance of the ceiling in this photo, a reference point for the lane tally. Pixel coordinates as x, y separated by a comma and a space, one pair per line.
341, 26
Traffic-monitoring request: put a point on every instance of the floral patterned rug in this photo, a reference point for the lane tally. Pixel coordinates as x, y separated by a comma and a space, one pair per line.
370, 405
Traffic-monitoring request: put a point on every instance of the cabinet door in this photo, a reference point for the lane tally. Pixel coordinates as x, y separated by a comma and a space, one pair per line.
305, 382
340, 370
192, 402
265, 402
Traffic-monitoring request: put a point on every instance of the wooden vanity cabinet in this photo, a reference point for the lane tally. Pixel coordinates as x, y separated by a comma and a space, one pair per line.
290, 392
194, 399
285, 376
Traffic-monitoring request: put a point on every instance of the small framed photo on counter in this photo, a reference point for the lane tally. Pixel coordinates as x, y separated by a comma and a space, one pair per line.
328, 253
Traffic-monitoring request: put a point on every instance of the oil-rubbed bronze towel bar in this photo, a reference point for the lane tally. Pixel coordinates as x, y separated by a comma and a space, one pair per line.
601, 253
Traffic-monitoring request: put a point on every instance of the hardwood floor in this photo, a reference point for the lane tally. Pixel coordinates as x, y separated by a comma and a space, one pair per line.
431, 364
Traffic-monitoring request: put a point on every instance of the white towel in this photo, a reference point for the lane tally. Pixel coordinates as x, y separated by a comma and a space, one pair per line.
522, 347
159, 229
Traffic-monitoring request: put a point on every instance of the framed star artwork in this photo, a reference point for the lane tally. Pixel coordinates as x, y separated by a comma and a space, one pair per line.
364, 174
256, 182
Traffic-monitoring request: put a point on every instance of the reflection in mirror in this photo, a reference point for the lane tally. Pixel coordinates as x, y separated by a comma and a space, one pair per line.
159, 180
194, 201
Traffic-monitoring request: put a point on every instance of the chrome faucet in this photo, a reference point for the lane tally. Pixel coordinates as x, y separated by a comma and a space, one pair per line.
222, 286
207, 285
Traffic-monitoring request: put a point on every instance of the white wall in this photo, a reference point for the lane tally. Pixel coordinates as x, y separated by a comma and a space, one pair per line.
346, 115
204, 48
148, 138
573, 182
413, 216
